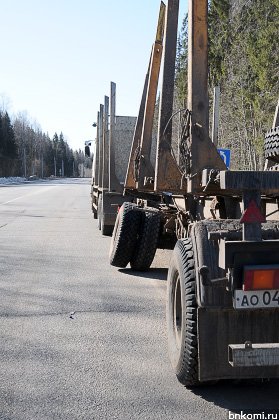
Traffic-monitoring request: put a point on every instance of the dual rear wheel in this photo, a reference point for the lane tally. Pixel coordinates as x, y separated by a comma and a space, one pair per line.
134, 240
135, 237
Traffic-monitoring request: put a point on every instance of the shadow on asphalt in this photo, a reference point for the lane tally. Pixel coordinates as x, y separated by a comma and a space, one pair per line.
152, 273
248, 396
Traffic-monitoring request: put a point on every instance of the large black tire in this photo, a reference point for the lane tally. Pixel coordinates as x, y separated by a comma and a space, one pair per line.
271, 145
182, 314
124, 236
147, 242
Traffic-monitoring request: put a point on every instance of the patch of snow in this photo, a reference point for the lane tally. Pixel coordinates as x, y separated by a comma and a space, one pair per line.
12, 180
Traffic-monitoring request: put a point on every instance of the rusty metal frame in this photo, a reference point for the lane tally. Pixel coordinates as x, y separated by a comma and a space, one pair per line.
143, 132
100, 141
168, 176
97, 151
145, 166
203, 153
130, 180
114, 184
105, 174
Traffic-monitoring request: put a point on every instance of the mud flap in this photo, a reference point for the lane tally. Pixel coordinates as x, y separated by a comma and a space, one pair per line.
217, 329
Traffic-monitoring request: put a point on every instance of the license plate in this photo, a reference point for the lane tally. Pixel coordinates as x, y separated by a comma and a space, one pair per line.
256, 299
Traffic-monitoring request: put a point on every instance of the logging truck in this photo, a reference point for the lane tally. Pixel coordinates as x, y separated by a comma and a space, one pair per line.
223, 278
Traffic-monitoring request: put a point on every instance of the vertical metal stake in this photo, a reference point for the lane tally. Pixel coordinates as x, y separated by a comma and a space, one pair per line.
215, 120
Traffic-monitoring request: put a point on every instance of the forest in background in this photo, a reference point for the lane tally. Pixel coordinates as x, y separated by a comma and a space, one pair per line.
25, 150
244, 62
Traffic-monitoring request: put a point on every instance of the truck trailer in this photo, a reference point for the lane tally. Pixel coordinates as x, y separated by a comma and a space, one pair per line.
223, 278
110, 159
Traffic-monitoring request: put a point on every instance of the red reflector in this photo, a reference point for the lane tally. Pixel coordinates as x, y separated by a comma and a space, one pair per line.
261, 278
252, 214
276, 280
248, 280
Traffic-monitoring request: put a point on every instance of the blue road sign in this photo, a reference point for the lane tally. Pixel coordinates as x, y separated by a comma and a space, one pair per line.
226, 156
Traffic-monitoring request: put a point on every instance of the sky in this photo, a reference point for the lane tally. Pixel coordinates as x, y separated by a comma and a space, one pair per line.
58, 58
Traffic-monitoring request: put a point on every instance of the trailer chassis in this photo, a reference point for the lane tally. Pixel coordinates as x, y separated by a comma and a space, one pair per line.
219, 218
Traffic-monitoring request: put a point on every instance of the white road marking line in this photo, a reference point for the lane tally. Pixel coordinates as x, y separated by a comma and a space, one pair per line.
26, 195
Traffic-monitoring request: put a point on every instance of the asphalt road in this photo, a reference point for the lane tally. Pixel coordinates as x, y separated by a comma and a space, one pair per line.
80, 339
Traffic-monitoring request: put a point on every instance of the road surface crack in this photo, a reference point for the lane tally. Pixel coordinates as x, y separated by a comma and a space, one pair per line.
70, 315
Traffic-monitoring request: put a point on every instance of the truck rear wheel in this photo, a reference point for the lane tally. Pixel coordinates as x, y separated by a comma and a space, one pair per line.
182, 314
147, 242
125, 234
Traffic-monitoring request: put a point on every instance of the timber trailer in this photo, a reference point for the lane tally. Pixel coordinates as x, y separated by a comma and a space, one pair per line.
110, 158
223, 278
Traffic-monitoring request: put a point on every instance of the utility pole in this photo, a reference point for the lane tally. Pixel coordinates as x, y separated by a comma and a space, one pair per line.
54, 166
42, 165
24, 162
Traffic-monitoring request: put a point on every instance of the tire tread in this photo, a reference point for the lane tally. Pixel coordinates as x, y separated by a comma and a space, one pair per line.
187, 373
124, 235
147, 242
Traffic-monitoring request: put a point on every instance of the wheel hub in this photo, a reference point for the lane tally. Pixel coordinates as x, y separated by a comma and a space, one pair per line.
177, 311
